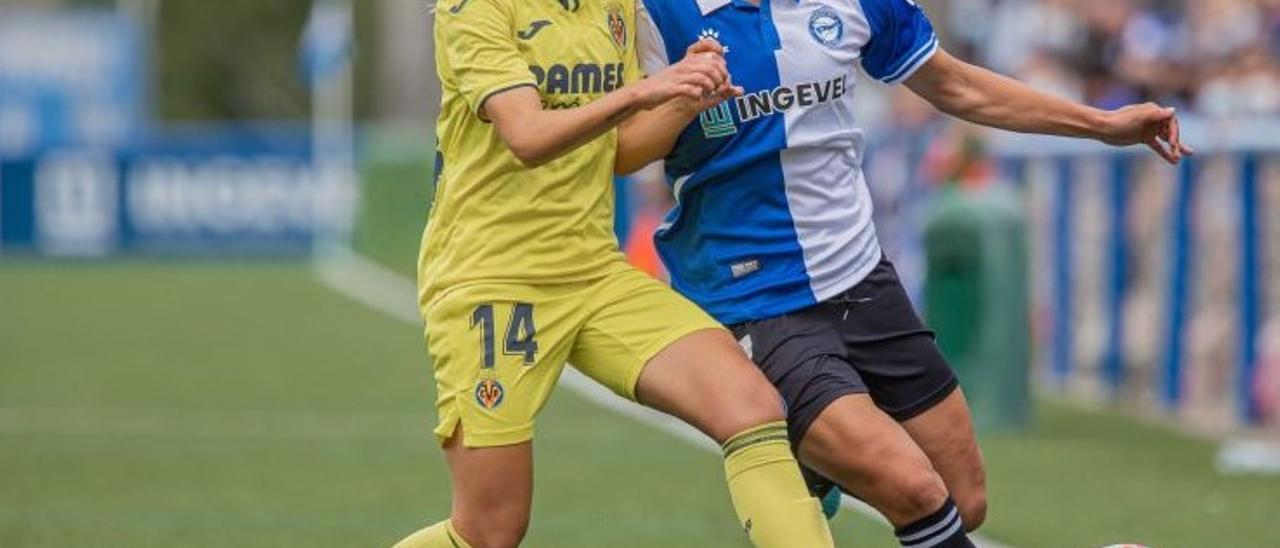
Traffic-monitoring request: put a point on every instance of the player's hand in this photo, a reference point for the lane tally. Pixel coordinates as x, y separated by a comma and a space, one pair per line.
726, 90
702, 77
1148, 124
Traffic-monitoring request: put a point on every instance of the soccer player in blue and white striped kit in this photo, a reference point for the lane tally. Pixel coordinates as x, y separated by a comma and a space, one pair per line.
772, 234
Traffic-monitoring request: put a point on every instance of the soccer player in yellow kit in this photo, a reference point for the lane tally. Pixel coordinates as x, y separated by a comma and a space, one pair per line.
520, 270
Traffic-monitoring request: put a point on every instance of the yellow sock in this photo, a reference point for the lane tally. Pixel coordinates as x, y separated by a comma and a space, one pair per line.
440, 535
768, 493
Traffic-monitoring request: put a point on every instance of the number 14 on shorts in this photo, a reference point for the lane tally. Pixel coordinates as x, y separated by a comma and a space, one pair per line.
521, 333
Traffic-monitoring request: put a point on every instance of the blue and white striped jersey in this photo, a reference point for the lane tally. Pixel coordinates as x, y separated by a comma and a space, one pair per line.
772, 213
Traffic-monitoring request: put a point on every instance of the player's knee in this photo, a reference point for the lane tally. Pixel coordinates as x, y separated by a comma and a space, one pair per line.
497, 536
922, 492
765, 404
758, 404
506, 532
973, 507
970, 494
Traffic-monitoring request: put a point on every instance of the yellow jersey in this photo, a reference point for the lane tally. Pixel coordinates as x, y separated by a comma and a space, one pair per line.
494, 219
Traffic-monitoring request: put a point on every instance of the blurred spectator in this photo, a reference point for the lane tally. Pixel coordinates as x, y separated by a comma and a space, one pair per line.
1216, 56
649, 190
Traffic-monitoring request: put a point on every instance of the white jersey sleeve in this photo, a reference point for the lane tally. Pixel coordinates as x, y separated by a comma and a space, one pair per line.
650, 46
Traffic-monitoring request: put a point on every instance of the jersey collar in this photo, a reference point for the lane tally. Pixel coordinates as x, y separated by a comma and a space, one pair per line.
709, 6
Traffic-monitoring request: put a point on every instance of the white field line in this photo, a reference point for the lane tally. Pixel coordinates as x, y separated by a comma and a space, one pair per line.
394, 295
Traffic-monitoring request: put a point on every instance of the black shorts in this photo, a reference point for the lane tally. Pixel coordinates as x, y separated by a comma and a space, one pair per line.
866, 340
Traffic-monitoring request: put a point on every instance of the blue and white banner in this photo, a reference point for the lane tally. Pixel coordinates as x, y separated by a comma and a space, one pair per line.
69, 78
206, 192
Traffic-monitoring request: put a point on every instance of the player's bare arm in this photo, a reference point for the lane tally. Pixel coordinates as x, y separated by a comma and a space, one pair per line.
537, 136
649, 135
983, 97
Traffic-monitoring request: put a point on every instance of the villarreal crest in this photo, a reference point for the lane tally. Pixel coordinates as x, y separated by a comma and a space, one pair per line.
489, 393
617, 24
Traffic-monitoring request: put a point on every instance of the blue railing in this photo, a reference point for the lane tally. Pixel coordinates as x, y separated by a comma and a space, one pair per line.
1249, 145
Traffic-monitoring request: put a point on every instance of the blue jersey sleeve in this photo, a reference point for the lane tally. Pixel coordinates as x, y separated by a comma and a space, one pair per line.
901, 39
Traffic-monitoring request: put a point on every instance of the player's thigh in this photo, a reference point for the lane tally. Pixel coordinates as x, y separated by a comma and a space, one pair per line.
945, 433
704, 379
492, 490
649, 344
497, 351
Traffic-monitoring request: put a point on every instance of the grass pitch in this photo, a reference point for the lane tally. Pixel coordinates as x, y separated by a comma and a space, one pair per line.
155, 404
161, 405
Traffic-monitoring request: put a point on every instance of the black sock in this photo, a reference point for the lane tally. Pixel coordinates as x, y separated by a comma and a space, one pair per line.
941, 529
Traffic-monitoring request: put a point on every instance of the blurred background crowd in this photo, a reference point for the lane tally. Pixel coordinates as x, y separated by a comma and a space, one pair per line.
1218, 57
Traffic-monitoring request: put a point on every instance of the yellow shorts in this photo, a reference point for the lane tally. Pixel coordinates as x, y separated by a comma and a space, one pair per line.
498, 349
